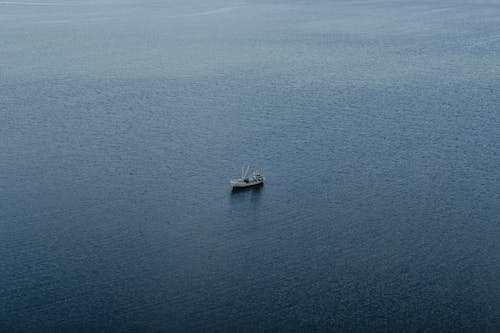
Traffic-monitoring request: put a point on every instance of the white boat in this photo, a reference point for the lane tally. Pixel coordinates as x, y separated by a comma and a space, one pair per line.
243, 181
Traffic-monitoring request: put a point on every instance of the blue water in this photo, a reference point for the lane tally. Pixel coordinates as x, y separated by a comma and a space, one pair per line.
376, 125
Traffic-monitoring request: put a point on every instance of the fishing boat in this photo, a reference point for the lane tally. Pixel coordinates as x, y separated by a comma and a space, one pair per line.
244, 181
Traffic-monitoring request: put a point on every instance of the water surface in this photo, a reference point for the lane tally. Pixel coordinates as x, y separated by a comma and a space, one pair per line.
376, 124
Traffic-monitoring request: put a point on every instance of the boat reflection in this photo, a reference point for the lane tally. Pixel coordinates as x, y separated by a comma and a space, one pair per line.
246, 201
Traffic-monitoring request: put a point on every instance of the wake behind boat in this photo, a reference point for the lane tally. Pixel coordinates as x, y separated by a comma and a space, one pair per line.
243, 181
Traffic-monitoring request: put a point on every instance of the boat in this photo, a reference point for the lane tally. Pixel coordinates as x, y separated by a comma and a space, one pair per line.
243, 181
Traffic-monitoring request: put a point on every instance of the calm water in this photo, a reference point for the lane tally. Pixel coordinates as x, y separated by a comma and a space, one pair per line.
376, 124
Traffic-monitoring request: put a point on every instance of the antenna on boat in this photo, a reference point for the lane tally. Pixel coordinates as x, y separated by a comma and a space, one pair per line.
244, 171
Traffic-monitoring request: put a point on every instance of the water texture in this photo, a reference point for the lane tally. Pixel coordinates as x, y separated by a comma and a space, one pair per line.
376, 124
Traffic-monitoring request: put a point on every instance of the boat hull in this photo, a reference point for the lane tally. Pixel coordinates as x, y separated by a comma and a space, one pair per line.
240, 184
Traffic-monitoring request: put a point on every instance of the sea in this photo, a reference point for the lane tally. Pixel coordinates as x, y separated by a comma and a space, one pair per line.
376, 124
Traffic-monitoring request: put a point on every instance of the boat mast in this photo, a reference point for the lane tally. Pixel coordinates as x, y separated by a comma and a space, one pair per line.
244, 174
